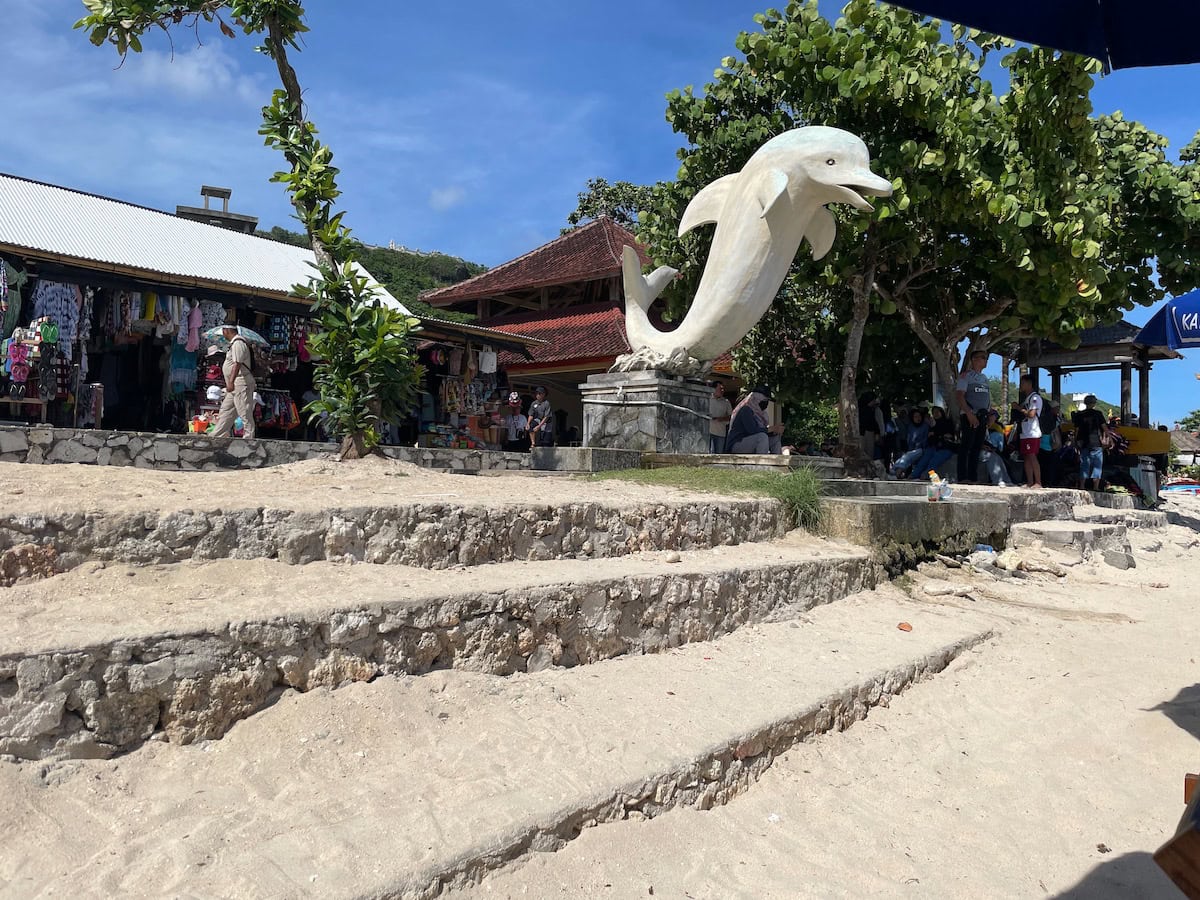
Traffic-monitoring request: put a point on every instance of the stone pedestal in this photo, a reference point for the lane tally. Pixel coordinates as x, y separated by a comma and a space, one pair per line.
648, 411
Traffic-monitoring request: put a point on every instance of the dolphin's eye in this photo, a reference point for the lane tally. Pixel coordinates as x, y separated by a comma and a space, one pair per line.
831, 162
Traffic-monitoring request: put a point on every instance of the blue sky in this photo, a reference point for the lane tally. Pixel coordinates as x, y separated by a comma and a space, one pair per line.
467, 128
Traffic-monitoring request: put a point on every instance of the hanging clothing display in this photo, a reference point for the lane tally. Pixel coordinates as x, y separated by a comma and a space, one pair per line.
60, 303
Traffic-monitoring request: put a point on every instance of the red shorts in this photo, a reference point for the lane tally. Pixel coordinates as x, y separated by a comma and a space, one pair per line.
1030, 446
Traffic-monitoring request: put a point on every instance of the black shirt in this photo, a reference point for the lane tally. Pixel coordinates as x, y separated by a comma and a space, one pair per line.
1088, 425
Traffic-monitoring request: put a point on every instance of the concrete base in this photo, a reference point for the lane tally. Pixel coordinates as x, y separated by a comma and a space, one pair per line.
823, 466
860, 487
583, 459
647, 411
1080, 538
902, 530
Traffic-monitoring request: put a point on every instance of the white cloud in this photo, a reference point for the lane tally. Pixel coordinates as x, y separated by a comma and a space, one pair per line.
205, 72
442, 199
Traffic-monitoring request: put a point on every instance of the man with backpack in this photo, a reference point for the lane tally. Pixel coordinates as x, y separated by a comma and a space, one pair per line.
1090, 433
239, 386
1034, 411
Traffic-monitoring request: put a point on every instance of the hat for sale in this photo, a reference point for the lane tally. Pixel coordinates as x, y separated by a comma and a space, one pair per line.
514, 399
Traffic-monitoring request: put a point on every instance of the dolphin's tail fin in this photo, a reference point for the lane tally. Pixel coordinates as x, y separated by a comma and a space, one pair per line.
640, 292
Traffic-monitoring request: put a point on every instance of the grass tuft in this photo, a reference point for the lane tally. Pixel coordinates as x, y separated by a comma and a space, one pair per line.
799, 491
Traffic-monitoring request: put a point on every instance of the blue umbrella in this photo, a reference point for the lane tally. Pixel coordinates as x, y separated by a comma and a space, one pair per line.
1176, 325
1122, 34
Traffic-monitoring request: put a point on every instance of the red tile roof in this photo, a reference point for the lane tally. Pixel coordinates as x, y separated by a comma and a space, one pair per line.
584, 334
586, 253
595, 332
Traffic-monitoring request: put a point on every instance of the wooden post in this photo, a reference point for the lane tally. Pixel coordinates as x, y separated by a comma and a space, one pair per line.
1144, 395
1126, 392
1056, 385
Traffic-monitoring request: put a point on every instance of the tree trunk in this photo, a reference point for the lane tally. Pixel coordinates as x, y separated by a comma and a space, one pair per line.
1005, 362
277, 47
947, 378
855, 459
354, 446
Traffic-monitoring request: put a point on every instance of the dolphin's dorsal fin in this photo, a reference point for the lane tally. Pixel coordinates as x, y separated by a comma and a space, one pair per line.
821, 230
705, 207
774, 186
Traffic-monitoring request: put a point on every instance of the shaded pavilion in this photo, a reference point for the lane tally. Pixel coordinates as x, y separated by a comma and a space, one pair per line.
1103, 348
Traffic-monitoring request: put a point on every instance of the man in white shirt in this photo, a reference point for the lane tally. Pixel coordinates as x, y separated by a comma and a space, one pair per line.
719, 411
1031, 432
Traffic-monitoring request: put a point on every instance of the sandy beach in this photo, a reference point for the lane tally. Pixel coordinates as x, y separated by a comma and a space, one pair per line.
1048, 762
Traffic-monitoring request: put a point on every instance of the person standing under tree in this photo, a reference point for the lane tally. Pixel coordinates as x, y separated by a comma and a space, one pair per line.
720, 411
974, 398
541, 419
1031, 432
239, 386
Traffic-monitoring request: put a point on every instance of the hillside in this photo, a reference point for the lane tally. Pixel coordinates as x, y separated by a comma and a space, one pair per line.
404, 273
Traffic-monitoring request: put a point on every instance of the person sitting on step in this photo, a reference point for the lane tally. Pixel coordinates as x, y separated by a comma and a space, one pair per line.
749, 431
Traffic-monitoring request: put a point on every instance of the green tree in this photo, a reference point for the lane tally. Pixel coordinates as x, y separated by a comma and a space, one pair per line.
381, 377
1191, 422
621, 201
1002, 222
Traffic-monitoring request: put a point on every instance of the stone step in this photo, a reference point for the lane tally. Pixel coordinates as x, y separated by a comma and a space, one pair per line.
402, 787
432, 535
1080, 539
1130, 518
99, 659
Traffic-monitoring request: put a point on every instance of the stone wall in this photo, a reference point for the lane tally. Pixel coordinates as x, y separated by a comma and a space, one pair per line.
184, 687
191, 452
646, 411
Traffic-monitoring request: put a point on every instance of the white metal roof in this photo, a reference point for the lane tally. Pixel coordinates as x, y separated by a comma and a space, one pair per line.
99, 231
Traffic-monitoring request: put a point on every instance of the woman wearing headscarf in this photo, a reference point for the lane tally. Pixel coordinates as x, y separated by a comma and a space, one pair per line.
749, 431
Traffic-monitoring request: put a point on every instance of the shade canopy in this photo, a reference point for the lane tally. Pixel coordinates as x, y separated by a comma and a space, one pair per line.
1176, 325
1122, 34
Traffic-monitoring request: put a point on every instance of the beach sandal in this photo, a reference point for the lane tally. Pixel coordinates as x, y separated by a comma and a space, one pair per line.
20, 372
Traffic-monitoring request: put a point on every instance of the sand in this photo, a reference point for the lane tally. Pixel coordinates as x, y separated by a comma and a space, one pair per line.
1047, 763
307, 485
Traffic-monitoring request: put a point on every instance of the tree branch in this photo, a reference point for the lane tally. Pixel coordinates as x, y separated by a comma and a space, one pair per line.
966, 326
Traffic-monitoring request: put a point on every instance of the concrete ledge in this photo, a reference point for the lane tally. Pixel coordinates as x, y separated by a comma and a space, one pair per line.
823, 466
902, 530
583, 459
1080, 535
1130, 518
865, 487
93, 676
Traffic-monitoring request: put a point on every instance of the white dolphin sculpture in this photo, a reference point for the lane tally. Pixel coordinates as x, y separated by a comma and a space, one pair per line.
762, 213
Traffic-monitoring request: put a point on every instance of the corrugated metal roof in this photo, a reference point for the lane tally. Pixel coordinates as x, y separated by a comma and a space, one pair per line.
89, 229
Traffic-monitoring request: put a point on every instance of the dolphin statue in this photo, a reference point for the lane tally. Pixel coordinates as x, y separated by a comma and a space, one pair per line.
762, 214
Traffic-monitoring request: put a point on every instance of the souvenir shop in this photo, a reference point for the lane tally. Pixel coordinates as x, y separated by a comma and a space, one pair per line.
90, 349
465, 395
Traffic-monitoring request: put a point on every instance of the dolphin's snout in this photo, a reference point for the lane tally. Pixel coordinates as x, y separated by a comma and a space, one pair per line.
870, 183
